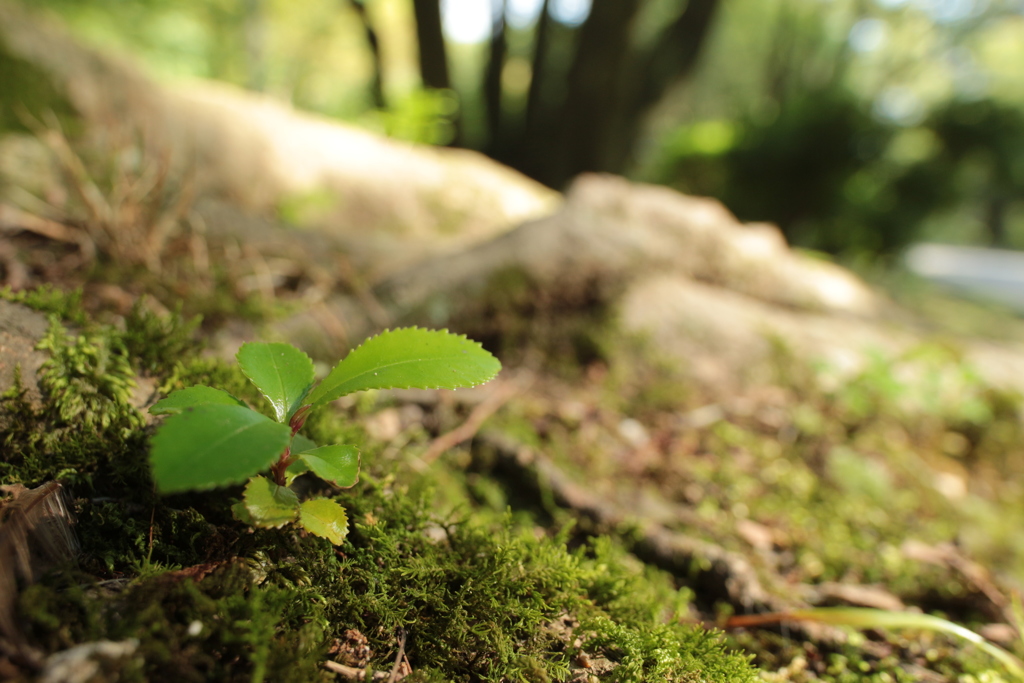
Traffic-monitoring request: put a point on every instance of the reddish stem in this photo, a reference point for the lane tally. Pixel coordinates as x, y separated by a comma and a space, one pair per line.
278, 469
296, 423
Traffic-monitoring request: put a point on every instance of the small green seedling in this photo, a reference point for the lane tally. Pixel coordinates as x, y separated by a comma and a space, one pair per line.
213, 439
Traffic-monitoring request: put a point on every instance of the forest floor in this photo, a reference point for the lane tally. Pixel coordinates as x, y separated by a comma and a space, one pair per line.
596, 513
592, 514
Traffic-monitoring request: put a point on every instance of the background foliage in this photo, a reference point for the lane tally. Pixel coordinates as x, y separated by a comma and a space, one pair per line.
856, 125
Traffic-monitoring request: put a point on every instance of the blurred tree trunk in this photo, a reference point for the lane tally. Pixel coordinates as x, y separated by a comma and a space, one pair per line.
589, 117
591, 87
519, 153
433, 54
492, 78
377, 80
540, 51
430, 37
591, 113
668, 62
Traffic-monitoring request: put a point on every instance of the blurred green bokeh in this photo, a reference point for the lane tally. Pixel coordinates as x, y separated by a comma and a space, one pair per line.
858, 126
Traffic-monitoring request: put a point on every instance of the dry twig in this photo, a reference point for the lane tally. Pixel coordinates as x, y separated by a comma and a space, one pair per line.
398, 659
354, 673
134, 220
499, 397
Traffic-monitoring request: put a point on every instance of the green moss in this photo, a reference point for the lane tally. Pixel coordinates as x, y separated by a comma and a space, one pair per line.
87, 426
67, 306
88, 378
226, 627
478, 602
89, 434
151, 340
479, 592
73, 437
840, 478
891, 658
478, 599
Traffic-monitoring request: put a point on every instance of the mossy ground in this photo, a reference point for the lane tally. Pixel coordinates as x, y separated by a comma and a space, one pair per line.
817, 483
902, 481
480, 594
455, 559
486, 579
817, 488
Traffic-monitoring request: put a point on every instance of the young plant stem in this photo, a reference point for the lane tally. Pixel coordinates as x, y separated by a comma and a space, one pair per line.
280, 468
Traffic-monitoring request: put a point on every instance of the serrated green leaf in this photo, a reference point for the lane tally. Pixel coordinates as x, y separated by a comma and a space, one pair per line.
241, 514
296, 469
301, 444
281, 372
214, 445
325, 518
190, 397
338, 464
269, 505
406, 358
